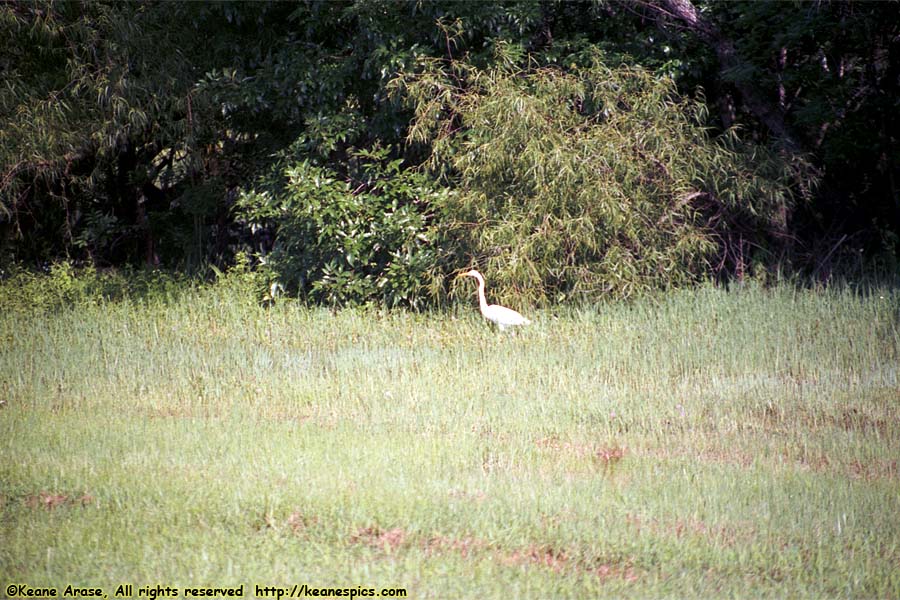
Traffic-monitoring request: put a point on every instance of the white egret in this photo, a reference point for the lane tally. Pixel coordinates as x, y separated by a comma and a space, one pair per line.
502, 316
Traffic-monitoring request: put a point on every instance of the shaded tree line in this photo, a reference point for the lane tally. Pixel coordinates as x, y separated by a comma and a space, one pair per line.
361, 150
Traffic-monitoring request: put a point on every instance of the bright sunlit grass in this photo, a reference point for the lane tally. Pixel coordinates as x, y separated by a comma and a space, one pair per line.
709, 443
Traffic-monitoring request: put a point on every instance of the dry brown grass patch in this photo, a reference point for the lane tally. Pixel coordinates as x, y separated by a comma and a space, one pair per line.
605, 456
854, 469
545, 556
625, 572
849, 418
464, 546
376, 537
49, 501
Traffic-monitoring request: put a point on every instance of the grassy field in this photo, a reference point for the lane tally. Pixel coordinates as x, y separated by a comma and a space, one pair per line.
707, 444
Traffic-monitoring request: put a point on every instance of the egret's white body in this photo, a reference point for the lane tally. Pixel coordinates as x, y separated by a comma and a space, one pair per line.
502, 316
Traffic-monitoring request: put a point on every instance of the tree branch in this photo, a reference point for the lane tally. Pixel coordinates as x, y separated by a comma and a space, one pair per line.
685, 13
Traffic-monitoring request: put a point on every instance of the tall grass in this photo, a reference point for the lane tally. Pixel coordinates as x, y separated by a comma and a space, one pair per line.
708, 442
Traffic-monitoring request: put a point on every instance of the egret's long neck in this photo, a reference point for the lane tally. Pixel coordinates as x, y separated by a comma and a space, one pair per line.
482, 301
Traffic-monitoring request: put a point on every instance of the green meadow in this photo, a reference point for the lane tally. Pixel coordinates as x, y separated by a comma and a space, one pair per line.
705, 443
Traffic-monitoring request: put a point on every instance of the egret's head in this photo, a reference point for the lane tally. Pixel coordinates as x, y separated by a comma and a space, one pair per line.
476, 275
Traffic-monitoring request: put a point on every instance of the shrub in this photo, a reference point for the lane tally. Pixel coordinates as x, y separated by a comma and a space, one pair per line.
587, 183
364, 237
63, 285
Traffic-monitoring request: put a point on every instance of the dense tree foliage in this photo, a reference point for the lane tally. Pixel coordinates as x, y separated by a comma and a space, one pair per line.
366, 236
818, 78
599, 181
180, 134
